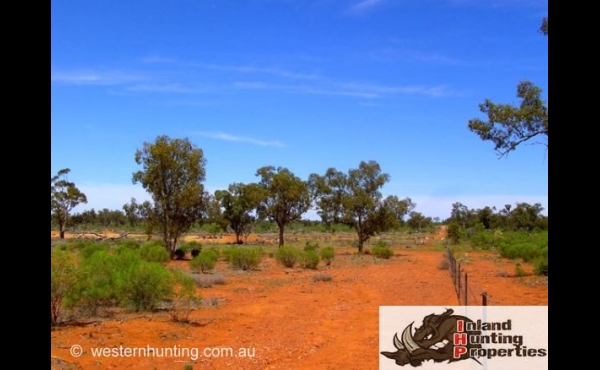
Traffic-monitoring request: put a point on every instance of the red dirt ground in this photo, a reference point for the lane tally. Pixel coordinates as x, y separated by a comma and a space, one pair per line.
290, 321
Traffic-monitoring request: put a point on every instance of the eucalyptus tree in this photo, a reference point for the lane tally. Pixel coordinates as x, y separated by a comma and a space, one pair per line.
284, 197
173, 171
238, 202
64, 196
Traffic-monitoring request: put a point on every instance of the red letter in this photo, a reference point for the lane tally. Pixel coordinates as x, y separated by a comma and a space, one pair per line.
460, 324
458, 351
460, 339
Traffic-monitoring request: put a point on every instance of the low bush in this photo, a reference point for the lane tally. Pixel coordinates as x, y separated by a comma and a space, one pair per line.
244, 258
287, 256
207, 281
381, 250
144, 284
184, 297
327, 255
63, 278
205, 261
310, 259
311, 246
154, 253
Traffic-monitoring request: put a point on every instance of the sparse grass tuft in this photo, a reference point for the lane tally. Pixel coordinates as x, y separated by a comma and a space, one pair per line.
321, 277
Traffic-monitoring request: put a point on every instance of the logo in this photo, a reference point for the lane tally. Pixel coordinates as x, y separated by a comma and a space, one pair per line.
440, 338
497, 336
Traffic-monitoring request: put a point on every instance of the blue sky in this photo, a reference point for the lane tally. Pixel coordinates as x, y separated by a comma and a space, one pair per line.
301, 84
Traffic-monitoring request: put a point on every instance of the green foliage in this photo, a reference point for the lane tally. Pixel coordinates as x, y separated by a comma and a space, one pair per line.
144, 284
310, 259
91, 248
205, 261
455, 233
526, 246
287, 256
355, 199
154, 253
311, 246
282, 197
327, 255
540, 265
244, 258
63, 278
508, 126
98, 285
64, 196
238, 203
131, 244
173, 172
519, 270
184, 297
381, 250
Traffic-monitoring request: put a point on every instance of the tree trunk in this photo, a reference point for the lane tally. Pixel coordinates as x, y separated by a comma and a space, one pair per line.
281, 226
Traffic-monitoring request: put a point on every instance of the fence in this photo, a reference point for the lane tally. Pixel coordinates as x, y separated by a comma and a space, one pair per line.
469, 293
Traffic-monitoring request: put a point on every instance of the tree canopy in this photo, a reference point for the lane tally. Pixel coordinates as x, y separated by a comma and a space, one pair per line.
238, 203
173, 173
64, 196
284, 197
355, 199
509, 126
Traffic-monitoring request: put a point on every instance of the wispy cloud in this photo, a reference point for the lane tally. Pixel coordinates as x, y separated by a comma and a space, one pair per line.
363, 6
239, 139
91, 77
500, 3
353, 89
279, 72
409, 55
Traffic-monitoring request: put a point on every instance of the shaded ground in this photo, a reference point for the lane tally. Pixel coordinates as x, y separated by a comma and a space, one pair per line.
290, 321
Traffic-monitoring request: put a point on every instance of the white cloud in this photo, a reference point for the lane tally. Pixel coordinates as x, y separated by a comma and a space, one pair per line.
91, 77
363, 6
239, 139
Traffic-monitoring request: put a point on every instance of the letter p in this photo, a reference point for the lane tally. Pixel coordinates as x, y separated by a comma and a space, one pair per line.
459, 351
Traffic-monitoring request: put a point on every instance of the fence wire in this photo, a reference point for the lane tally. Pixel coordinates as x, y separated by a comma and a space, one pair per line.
469, 293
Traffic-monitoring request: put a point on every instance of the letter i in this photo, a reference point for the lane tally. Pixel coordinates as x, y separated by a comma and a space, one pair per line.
460, 326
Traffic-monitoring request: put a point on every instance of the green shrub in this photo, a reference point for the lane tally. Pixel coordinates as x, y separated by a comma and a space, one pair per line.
311, 246
130, 244
63, 278
154, 253
382, 251
144, 284
519, 270
184, 298
540, 265
310, 259
287, 256
205, 261
327, 255
99, 279
245, 258
90, 248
